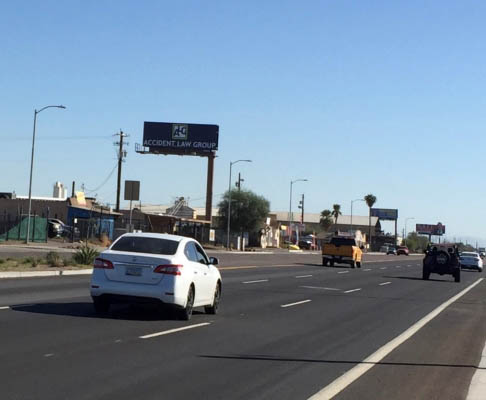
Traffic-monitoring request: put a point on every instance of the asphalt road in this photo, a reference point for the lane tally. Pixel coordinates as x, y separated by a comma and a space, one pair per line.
287, 328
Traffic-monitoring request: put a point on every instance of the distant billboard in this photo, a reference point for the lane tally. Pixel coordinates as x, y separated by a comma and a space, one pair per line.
436, 230
385, 214
180, 138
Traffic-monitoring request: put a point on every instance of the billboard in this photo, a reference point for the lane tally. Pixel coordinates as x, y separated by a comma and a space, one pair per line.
385, 214
425, 229
180, 138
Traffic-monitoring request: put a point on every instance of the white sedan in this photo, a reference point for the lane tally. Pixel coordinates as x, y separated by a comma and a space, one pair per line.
161, 268
470, 259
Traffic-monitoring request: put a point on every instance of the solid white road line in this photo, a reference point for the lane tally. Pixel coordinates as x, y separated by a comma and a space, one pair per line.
295, 304
261, 280
477, 387
357, 371
5, 308
352, 290
319, 287
303, 276
343, 272
173, 330
384, 283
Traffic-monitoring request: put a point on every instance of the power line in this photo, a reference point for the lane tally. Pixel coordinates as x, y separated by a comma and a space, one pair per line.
25, 138
105, 181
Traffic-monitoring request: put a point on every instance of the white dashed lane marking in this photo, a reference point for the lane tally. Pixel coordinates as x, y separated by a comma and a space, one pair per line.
384, 283
151, 335
303, 276
383, 268
5, 308
319, 287
352, 290
343, 272
367, 269
295, 304
261, 280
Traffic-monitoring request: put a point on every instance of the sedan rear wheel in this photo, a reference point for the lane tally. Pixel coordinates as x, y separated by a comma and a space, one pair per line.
213, 309
186, 313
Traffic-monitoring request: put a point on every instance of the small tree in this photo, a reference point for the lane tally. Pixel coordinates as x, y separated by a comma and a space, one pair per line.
336, 212
326, 220
248, 210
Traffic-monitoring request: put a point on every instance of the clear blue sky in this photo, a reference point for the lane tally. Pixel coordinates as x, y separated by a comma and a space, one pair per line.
359, 97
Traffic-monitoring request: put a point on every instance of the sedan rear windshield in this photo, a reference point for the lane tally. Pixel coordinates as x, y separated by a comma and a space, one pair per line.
473, 255
150, 245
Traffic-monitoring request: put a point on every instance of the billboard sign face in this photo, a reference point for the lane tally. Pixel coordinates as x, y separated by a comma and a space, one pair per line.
436, 230
385, 214
178, 138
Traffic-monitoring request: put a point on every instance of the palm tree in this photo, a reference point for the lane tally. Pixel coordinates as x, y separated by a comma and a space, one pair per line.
336, 212
326, 220
370, 201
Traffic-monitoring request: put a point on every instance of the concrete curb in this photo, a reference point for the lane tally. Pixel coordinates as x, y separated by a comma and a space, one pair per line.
34, 274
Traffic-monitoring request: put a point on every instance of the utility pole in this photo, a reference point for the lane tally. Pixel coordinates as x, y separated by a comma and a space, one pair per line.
238, 182
121, 155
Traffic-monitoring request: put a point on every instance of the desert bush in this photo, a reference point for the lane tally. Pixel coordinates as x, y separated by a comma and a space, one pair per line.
35, 261
2, 261
54, 259
85, 255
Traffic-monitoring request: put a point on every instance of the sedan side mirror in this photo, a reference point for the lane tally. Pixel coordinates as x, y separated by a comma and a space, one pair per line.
213, 260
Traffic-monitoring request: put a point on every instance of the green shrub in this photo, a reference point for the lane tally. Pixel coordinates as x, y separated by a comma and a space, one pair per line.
35, 261
2, 261
54, 259
85, 255
26, 260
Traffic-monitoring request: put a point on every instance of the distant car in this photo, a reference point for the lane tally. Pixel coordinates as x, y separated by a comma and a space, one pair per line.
306, 244
55, 227
471, 260
392, 250
402, 250
165, 269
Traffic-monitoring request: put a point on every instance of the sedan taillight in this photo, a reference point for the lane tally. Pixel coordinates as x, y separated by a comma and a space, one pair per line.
168, 269
102, 263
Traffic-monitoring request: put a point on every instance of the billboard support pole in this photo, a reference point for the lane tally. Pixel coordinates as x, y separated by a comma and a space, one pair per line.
396, 233
209, 187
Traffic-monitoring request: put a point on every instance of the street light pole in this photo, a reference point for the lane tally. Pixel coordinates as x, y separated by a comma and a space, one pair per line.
228, 225
290, 207
352, 201
32, 167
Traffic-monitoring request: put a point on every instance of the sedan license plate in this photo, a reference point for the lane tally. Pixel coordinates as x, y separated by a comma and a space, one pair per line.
133, 271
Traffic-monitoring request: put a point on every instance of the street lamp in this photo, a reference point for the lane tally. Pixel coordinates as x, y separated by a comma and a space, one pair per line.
290, 208
32, 167
229, 203
352, 201
406, 220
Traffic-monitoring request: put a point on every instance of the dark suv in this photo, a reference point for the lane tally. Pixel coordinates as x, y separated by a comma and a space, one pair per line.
442, 259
